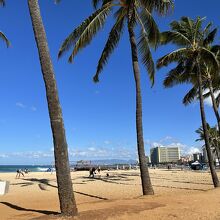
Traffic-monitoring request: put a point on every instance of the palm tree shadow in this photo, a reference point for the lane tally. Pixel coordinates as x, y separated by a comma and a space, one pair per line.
43, 181
29, 210
46, 182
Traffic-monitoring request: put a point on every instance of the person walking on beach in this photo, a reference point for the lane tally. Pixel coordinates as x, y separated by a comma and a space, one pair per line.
19, 173
92, 172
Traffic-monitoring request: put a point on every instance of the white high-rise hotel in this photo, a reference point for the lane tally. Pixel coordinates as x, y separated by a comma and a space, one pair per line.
164, 154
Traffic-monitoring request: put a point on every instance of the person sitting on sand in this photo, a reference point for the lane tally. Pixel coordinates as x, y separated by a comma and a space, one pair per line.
92, 172
19, 173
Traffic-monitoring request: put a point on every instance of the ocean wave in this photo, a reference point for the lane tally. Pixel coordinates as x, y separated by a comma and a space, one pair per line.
41, 169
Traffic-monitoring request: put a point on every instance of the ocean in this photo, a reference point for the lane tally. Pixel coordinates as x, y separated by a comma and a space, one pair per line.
43, 168
32, 168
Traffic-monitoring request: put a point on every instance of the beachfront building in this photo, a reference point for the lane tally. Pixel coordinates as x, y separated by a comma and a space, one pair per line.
205, 156
164, 155
148, 159
198, 157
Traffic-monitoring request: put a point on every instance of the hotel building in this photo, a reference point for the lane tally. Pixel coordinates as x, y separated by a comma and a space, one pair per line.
164, 154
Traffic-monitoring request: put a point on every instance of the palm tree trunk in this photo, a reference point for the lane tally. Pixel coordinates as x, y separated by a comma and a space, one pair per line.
65, 188
214, 104
215, 109
204, 124
217, 154
145, 177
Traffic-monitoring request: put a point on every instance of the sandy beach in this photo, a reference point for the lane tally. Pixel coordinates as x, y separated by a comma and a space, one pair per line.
178, 195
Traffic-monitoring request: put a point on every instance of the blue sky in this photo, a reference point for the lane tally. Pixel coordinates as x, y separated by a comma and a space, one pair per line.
99, 118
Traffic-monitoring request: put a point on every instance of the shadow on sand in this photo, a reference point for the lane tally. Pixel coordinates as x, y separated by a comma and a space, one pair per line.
29, 210
46, 182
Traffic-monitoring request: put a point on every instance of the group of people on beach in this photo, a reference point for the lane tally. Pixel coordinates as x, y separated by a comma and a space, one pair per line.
21, 172
93, 170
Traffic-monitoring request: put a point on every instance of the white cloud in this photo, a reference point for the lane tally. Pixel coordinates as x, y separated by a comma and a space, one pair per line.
28, 154
208, 101
103, 153
184, 149
107, 142
193, 150
33, 108
20, 105
3, 155
91, 149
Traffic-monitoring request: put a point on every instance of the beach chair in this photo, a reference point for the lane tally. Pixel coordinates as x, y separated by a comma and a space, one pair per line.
4, 187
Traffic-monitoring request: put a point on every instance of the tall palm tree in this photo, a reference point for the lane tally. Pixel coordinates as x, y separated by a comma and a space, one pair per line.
65, 189
210, 75
191, 55
129, 13
211, 81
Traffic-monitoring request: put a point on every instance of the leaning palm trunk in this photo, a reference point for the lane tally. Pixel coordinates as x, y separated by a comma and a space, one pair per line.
65, 189
204, 125
217, 153
214, 104
215, 109
145, 178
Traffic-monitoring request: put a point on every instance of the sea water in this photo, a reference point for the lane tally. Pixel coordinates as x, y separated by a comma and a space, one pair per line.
31, 168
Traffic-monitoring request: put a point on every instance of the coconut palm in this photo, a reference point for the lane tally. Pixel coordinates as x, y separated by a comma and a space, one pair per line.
214, 138
65, 189
191, 56
211, 81
132, 14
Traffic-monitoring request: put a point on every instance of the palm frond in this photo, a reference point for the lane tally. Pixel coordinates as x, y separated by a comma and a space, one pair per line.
174, 37
174, 56
57, 1
163, 6
145, 52
191, 95
112, 42
197, 29
150, 27
210, 37
209, 58
2, 3
4, 38
217, 99
84, 33
95, 3
207, 29
176, 76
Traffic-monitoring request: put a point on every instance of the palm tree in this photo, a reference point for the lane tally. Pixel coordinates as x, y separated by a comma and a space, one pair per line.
211, 79
211, 82
65, 189
214, 138
134, 12
191, 55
